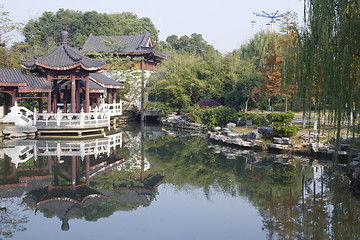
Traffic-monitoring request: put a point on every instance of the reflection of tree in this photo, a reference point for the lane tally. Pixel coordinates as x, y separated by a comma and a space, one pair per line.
187, 161
294, 201
11, 220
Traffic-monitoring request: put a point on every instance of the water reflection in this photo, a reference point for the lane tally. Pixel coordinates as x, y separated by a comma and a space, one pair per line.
296, 197
67, 179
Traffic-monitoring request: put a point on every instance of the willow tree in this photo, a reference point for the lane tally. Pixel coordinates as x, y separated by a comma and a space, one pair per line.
327, 69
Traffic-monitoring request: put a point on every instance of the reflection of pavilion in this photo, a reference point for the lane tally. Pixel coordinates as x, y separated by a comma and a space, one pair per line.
30, 164
66, 178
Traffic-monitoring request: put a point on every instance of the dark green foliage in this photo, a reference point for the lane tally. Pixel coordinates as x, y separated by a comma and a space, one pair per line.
193, 114
283, 175
193, 44
285, 118
210, 116
218, 116
281, 124
255, 118
80, 25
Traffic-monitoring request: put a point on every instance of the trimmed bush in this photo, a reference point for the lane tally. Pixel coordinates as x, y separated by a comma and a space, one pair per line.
281, 124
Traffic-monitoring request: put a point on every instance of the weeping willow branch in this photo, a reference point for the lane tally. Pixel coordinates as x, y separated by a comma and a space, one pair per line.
327, 71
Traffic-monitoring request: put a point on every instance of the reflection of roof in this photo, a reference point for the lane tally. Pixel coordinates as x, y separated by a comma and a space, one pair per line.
14, 77
105, 81
17, 190
63, 202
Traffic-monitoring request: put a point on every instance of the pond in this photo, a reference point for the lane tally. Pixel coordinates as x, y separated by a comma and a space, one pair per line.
156, 183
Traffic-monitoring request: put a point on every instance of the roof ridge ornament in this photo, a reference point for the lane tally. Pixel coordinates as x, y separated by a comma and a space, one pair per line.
64, 36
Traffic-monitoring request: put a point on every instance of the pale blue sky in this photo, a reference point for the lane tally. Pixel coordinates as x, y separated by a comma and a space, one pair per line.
224, 24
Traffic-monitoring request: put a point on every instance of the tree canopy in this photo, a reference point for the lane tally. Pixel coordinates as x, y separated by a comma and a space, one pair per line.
80, 24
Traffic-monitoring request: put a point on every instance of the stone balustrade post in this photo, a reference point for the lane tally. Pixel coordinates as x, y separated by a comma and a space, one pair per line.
35, 116
82, 117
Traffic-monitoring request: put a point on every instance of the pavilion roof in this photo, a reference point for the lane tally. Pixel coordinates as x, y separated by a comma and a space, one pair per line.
64, 58
26, 83
128, 45
11, 77
105, 81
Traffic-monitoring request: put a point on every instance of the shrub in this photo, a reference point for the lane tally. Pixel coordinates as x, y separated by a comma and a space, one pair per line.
281, 124
285, 118
256, 119
218, 116
193, 114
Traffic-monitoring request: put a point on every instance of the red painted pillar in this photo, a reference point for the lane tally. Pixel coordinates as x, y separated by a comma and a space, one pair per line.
40, 100
108, 96
6, 105
77, 96
48, 102
87, 94
98, 101
73, 99
13, 97
55, 96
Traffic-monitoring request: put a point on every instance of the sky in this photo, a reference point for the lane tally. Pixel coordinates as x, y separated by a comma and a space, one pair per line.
225, 24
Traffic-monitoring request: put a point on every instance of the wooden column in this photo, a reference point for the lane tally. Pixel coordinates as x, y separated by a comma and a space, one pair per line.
73, 99
55, 96
13, 97
48, 102
40, 101
87, 94
114, 95
6, 103
98, 101
77, 96
65, 99
108, 96
49, 78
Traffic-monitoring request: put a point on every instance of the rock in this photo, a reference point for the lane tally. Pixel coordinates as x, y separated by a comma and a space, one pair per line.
17, 135
251, 136
265, 131
354, 164
283, 140
278, 146
332, 141
216, 129
316, 147
230, 125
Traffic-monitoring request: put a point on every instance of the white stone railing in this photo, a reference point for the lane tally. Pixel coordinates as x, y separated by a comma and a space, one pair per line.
19, 115
95, 118
114, 109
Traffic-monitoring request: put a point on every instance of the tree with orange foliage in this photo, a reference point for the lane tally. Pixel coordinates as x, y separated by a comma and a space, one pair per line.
272, 73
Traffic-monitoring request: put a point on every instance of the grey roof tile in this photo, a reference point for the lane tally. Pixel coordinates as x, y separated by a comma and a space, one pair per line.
128, 43
8, 75
106, 81
64, 57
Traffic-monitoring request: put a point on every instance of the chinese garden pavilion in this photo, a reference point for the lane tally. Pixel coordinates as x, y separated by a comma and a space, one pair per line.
66, 67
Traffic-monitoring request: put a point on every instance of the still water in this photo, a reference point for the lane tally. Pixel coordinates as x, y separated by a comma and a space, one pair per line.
155, 183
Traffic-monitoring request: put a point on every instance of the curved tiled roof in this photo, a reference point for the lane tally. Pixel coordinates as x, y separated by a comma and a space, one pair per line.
64, 58
106, 81
134, 45
25, 82
126, 43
